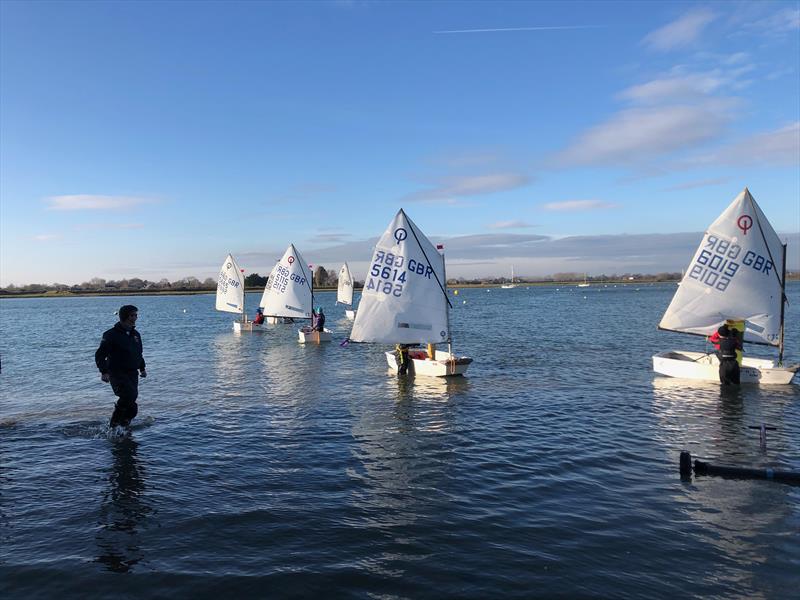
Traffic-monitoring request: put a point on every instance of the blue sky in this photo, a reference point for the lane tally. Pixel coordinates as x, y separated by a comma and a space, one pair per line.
147, 139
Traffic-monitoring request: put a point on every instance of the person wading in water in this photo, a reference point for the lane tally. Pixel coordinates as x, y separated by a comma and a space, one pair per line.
120, 361
727, 343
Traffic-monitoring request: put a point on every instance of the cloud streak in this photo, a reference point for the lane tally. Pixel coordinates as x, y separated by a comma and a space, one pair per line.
90, 202
91, 226
578, 206
776, 148
691, 185
502, 29
640, 133
449, 189
510, 225
679, 33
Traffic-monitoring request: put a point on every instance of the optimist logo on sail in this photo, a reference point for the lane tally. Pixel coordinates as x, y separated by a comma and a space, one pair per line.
744, 223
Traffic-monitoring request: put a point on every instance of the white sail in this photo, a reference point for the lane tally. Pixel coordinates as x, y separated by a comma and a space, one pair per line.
230, 287
735, 274
404, 299
265, 294
289, 293
344, 294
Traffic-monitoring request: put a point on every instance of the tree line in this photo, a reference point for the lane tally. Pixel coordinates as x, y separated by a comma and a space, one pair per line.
322, 279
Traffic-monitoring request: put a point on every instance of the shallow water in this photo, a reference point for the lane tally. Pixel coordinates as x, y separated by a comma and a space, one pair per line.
261, 467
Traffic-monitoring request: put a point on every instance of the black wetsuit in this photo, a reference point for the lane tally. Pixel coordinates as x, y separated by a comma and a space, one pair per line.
401, 355
120, 355
728, 366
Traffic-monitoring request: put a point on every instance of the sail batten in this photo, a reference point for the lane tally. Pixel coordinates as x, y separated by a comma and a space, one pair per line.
288, 290
230, 287
402, 301
735, 274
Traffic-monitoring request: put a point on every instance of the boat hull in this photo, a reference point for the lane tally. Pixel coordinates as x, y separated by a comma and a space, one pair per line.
278, 320
445, 365
247, 327
705, 367
350, 314
307, 336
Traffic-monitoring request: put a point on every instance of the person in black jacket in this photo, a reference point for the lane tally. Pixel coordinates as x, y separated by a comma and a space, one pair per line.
120, 361
728, 344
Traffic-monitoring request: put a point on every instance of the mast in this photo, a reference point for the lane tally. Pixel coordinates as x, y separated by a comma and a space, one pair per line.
447, 301
783, 308
244, 295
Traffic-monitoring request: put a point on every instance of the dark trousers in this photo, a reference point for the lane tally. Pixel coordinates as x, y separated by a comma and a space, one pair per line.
729, 371
126, 386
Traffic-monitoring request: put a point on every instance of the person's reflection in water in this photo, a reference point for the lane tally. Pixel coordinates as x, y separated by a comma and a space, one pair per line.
122, 510
732, 425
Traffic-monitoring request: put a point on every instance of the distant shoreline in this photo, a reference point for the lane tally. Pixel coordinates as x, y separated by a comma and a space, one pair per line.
97, 293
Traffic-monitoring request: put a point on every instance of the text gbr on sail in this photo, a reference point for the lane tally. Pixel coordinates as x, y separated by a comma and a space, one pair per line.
716, 264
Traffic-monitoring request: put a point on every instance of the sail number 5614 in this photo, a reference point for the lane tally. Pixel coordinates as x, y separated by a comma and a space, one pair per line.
387, 274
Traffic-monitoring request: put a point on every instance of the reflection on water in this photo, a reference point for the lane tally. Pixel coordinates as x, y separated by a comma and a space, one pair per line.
714, 423
403, 462
122, 509
228, 368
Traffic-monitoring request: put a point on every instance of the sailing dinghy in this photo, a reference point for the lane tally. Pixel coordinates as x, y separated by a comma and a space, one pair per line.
344, 293
738, 274
289, 292
230, 295
404, 300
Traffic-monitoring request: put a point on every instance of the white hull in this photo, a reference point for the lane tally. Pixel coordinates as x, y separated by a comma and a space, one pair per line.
445, 364
314, 337
350, 314
247, 327
705, 367
509, 286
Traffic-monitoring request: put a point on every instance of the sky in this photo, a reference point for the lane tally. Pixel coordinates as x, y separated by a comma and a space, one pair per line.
150, 139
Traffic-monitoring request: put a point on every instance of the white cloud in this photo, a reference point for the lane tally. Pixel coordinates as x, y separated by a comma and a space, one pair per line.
786, 20
681, 32
578, 205
674, 88
639, 133
451, 188
90, 202
780, 147
510, 225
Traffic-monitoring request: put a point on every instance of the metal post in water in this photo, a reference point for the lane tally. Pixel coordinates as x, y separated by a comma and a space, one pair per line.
686, 464
762, 434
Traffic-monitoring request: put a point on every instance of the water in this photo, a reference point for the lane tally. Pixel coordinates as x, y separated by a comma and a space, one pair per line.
259, 467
